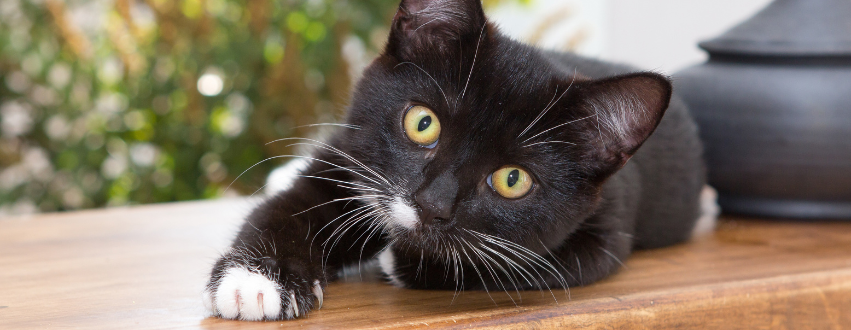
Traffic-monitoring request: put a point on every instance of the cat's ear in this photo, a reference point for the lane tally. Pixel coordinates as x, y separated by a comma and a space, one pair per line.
434, 25
624, 111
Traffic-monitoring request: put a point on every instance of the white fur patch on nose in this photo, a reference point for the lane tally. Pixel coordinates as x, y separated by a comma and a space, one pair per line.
403, 214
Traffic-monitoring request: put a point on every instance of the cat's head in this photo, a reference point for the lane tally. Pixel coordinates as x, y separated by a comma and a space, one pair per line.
465, 131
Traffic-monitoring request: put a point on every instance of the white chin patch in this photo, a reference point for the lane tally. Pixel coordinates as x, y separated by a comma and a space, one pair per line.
403, 214
245, 295
282, 178
709, 211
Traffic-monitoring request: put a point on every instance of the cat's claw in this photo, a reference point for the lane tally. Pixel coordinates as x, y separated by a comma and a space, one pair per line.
292, 311
317, 291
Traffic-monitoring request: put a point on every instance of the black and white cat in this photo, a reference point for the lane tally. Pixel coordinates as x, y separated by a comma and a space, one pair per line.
472, 161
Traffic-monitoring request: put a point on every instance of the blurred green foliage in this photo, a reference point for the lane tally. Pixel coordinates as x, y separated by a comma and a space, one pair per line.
113, 102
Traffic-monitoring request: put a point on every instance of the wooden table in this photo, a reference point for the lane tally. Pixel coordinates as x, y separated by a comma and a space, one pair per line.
145, 267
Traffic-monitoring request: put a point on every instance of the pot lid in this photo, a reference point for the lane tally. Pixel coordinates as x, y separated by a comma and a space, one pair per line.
790, 28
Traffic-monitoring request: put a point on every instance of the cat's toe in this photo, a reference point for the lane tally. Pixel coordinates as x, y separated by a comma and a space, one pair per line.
245, 295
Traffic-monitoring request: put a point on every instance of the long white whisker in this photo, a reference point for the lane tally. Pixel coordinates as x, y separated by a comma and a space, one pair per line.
357, 210
458, 267
535, 258
510, 273
253, 166
427, 23
535, 265
353, 160
376, 223
486, 266
473, 263
329, 124
545, 142
558, 261
328, 147
429, 75
579, 267
360, 197
473, 66
340, 181
420, 265
258, 190
484, 258
557, 126
512, 263
613, 256
547, 108
351, 223
339, 232
305, 157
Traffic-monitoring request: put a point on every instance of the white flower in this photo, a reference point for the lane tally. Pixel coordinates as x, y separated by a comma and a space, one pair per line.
17, 119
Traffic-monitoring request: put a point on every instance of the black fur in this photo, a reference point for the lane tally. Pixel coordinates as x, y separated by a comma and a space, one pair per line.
596, 195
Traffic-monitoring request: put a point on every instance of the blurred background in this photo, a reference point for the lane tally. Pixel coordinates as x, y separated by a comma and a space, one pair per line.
119, 102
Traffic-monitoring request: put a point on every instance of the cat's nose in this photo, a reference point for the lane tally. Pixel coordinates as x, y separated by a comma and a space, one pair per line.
436, 199
432, 212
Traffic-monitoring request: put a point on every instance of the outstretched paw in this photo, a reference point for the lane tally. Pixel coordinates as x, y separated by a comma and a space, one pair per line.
246, 295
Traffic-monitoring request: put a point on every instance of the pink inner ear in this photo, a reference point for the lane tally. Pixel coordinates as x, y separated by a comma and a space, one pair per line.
628, 109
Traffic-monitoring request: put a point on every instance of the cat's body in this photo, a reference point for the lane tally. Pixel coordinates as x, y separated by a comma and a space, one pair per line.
516, 174
668, 170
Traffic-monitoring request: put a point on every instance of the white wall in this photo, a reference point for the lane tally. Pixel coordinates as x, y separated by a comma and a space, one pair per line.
663, 34
659, 35
577, 25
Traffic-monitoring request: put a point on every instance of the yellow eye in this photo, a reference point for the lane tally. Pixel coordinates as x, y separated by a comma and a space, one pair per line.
421, 126
511, 182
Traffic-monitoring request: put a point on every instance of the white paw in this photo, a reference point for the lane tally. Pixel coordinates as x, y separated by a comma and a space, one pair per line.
245, 295
709, 211
249, 296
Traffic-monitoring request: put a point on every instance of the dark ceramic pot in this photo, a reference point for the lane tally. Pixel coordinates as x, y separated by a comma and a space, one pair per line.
773, 103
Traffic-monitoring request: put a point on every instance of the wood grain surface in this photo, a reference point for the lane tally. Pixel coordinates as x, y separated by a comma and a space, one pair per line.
145, 267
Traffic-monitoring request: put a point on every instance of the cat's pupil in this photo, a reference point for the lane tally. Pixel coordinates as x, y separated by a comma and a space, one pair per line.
424, 123
513, 176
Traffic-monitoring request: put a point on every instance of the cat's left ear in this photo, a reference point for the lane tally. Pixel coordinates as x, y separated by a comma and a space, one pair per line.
434, 25
625, 110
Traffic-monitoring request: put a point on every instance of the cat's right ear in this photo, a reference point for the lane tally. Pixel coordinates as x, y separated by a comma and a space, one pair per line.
432, 26
623, 111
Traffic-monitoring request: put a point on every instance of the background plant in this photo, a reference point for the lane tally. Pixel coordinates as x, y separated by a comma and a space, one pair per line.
116, 102
112, 102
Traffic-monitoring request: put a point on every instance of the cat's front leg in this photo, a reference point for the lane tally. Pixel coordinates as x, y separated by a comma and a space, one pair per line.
282, 259
263, 278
